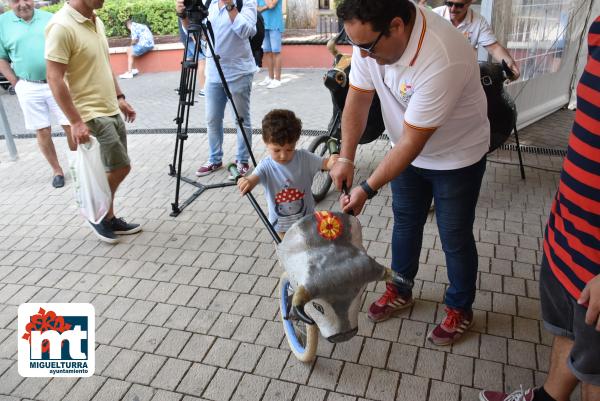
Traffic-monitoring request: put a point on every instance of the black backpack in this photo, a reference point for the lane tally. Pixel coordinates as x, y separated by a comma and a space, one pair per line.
256, 41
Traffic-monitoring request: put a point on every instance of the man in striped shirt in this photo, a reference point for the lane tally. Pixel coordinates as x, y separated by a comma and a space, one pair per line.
570, 272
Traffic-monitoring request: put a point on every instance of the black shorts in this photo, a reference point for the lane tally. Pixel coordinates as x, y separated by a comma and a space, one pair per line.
563, 316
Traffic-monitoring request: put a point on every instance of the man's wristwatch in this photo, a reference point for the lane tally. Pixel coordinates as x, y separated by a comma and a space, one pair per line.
121, 96
368, 190
230, 7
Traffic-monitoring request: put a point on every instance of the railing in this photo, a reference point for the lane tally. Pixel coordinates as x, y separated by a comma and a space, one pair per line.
327, 25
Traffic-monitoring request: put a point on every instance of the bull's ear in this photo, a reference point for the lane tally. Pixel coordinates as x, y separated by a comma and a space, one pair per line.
391, 276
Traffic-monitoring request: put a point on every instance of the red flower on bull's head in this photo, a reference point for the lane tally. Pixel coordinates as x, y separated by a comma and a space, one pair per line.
329, 226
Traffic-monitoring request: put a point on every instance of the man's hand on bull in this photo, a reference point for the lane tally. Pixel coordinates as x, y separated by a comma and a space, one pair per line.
515, 70
342, 171
354, 201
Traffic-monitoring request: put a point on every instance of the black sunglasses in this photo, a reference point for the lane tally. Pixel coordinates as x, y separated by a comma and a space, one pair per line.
368, 47
451, 4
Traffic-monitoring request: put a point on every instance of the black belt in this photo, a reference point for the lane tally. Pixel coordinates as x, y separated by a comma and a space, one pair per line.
40, 81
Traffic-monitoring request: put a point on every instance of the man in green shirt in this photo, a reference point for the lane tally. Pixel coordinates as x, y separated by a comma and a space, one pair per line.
22, 44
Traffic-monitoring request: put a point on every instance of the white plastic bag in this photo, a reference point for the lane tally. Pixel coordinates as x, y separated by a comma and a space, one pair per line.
92, 192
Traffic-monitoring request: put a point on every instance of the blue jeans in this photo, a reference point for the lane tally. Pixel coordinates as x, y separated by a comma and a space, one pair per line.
216, 100
455, 193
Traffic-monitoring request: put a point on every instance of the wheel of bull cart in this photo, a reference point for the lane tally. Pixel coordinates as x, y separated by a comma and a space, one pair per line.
322, 181
301, 337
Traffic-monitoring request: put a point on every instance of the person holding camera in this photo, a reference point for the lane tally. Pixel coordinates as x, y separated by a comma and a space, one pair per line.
232, 28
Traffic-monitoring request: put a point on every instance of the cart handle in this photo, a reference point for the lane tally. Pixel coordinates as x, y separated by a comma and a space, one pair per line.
333, 145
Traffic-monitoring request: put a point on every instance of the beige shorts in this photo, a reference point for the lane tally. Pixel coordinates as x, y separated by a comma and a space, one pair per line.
112, 136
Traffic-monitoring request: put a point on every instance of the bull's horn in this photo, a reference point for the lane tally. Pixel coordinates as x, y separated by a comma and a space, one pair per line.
391, 276
300, 298
331, 45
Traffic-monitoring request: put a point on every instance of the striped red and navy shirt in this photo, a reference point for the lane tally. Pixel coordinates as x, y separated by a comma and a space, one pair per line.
572, 240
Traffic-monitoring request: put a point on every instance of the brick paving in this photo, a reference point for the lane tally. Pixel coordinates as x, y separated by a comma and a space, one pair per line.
188, 309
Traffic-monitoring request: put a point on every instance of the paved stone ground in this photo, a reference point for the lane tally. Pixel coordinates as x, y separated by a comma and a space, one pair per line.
188, 309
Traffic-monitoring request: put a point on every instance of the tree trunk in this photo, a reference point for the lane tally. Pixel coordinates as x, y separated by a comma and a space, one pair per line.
302, 14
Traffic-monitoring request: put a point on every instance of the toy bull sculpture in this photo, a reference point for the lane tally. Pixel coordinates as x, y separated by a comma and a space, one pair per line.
328, 268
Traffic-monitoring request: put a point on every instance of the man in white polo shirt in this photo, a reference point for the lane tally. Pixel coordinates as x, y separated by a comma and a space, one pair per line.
476, 30
435, 112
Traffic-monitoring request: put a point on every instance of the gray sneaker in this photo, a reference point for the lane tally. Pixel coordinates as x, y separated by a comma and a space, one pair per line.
104, 232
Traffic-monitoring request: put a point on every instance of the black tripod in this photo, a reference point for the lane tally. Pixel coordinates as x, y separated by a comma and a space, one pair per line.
187, 88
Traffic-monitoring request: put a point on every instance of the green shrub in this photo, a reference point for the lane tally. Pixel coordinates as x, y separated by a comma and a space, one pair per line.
159, 15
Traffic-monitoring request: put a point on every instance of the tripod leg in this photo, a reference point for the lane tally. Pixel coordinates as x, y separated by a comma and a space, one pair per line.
519, 151
187, 85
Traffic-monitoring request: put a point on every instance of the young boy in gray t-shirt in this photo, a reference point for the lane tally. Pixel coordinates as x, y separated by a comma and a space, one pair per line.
286, 174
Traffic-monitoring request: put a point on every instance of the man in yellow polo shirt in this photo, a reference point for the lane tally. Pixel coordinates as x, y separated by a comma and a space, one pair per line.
22, 44
81, 78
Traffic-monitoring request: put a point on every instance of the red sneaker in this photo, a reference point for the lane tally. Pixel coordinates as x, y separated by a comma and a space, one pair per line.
389, 304
243, 168
518, 395
452, 327
208, 168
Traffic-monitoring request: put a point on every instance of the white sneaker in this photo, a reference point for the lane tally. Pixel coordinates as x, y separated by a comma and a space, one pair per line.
126, 75
274, 84
265, 81
135, 71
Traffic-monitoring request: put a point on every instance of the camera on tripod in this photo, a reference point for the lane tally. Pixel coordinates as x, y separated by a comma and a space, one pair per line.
195, 11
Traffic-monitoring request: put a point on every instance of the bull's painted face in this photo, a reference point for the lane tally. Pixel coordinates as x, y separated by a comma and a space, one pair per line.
323, 255
337, 317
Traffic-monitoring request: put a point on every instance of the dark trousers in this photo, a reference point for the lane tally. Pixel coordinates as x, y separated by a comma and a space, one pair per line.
455, 193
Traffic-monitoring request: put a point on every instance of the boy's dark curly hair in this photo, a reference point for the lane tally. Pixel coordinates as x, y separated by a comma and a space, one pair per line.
379, 13
281, 127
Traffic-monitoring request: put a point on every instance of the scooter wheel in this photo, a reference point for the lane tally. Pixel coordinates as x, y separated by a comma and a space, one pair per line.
322, 181
301, 337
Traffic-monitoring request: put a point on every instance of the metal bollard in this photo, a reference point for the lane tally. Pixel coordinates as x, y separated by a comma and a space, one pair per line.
10, 142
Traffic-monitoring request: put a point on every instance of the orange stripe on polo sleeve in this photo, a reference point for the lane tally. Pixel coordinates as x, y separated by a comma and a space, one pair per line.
409, 125
356, 88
